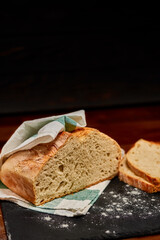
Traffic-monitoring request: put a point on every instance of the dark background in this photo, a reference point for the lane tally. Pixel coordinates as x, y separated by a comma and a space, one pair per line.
72, 57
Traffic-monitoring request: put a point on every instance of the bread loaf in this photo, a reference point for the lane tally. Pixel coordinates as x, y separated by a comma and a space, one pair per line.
128, 176
73, 161
144, 160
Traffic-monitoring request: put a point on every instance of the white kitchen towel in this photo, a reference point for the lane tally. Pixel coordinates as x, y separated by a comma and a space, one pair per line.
42, 130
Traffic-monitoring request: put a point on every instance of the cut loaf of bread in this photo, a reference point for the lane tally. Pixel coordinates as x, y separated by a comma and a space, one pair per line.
128, 176
144, 160
72, 162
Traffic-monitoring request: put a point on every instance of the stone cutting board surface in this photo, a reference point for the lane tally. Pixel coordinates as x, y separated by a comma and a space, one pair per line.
122, 211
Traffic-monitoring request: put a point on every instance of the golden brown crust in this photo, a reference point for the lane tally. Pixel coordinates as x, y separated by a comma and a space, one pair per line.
80, 132
21, 186
20, 169
138, 183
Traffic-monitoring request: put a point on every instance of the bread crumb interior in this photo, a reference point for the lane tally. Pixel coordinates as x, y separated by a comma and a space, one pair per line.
79, 163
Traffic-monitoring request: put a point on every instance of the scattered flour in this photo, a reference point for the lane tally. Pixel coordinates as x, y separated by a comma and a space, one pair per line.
64, 225
109, 209
48, 218
104, 214
124, 203
153, 200
128, 202
111, 192
135, 192
51, 221
115, 196
9, 236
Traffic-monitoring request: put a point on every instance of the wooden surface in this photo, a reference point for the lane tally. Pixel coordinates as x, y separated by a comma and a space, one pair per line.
126, 125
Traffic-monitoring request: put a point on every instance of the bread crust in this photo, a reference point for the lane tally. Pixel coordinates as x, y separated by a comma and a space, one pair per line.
19, 170
139, 172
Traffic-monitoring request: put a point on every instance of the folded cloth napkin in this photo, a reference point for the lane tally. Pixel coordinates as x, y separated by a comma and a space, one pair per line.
42, 130
71, 205
34, 132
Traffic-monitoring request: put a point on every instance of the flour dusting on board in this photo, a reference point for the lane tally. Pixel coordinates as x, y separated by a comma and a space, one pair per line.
134, 201
47, 218
9, 236
117, 211
51, 222
117, 205
64, 225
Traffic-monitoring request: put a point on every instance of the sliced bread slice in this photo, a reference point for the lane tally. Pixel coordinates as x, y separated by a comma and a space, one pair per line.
144, 160
126, 175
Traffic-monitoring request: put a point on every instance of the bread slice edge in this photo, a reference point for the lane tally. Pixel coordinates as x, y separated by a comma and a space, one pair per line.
128, 176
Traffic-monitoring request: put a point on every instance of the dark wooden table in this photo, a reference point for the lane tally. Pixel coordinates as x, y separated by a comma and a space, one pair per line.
126, 125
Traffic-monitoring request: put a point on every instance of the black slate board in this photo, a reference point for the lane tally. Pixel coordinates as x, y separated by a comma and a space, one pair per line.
120, 212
